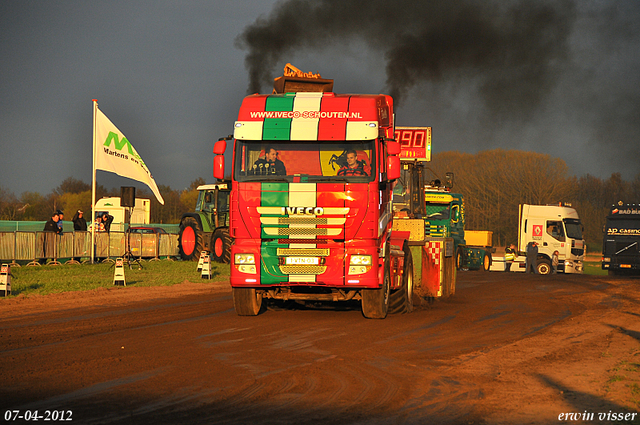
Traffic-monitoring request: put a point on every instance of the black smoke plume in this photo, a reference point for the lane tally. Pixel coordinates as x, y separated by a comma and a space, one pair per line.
513, 51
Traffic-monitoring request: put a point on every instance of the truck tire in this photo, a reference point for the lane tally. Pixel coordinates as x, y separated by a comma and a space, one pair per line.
190, 240
247, 301
221, 246
401, 300
459, 259
375, 302
486, 262
544, 266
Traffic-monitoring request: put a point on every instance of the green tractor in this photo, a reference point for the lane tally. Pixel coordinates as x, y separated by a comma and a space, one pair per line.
208, 227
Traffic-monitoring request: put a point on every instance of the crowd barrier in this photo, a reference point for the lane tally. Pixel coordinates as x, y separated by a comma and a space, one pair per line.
41, 247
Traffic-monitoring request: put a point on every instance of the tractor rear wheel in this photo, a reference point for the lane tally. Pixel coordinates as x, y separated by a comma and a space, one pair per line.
221, 246
190, 240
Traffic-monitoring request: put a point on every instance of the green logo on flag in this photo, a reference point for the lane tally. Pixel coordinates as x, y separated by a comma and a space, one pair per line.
119, 144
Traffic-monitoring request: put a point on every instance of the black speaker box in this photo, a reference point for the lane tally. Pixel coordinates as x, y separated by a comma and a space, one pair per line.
127, 196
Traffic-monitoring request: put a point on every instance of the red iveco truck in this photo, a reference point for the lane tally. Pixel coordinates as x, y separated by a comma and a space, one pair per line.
310, 205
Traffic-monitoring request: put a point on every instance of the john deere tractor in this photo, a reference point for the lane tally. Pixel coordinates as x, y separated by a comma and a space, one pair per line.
208, 227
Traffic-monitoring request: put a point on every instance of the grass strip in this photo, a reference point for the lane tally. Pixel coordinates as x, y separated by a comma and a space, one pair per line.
45, 280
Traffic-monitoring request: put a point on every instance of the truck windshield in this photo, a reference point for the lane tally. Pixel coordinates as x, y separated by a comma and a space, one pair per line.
315, 161
573, 227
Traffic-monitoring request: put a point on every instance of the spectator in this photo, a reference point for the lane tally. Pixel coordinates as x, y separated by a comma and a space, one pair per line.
79, 222
106, 221
52, 224
532, 257
509, 256
60, 224
50, 230
555, 261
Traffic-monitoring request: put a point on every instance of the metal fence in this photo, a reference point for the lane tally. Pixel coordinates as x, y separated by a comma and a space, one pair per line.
37, 247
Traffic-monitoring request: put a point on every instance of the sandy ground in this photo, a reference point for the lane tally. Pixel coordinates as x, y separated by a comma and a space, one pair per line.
506, 349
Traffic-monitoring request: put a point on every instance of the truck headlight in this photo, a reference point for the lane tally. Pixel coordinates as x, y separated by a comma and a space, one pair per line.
359, 264
606, 259
244, 259
245, 263
360, 260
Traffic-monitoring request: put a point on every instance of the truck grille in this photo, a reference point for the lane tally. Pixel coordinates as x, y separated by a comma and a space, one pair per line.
303, 269
287, 221
282, 231
302, 220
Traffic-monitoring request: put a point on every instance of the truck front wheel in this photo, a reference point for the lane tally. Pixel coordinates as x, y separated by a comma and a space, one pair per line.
247, 301
190, 240
401, 300
544, 267
375, 302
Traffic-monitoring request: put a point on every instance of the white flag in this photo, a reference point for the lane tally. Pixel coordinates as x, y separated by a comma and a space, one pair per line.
115, 153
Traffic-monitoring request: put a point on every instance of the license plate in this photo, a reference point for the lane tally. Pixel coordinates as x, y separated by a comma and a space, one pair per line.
302, 260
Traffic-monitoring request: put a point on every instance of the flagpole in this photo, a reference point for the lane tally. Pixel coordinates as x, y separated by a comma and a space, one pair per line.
93, 186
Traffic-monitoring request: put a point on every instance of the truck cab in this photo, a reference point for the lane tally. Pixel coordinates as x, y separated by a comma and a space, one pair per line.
620, 247
554, 228
310, 203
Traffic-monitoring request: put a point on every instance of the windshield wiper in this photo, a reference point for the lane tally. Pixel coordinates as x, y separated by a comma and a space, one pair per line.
626, 247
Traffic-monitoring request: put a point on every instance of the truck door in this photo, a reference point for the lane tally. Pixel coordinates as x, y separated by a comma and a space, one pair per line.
555, 236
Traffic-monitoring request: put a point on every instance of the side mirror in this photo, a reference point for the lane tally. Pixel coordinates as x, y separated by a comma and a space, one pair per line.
393, 148
393, 167
218, 160
218, 167
220, 147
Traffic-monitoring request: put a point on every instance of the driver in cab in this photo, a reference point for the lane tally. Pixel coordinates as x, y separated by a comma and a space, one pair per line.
353, 166
269, 164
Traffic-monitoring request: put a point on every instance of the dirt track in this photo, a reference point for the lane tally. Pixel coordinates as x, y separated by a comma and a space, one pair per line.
506, 349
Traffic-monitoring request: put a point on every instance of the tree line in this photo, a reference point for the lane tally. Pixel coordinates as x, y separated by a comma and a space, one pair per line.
493, 183
73, 195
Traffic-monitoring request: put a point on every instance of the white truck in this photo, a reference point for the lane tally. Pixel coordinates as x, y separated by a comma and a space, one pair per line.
140, 214
555, 228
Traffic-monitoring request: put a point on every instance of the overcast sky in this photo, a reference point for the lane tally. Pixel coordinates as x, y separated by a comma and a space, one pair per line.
552, 77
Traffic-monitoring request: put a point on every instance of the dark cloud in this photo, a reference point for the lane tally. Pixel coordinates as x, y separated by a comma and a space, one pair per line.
514, 51
556, 77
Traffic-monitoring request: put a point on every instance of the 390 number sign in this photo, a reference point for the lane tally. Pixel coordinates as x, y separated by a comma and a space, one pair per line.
415, 143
